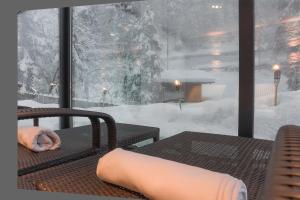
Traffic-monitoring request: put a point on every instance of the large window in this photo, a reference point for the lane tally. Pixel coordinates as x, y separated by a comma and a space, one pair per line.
128, 58
277, 52
162, 63
38, 59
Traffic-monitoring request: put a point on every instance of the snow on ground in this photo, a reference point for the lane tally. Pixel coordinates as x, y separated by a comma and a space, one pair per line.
212, 116
171, 120
268, 119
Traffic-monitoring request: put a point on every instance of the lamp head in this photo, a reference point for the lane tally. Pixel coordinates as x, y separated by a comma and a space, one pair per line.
276, 67
277, 73
104, 90
177, 84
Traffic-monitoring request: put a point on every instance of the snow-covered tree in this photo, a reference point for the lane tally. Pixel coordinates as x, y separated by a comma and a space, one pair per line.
138, 51
38, 50
290, 26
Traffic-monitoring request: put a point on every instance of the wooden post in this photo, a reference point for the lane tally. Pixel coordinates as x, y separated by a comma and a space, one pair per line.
275, 95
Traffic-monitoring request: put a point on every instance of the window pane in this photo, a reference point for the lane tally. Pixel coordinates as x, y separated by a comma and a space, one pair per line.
277, 43
38, 60
127, 57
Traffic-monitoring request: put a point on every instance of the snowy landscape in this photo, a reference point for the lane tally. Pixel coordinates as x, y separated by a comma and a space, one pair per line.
214, 116
123, 52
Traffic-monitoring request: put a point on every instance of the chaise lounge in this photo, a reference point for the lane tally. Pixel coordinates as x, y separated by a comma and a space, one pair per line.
243, 158
79, 142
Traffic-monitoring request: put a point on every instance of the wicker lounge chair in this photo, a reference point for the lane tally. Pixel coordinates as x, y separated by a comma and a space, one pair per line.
78, 142
244, 158
35, 120
241, 157
283, 182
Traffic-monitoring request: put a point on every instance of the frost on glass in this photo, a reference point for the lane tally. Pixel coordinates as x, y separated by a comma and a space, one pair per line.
277, 42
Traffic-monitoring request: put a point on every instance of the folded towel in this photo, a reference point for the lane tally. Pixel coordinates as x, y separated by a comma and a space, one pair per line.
38, 139
161, 179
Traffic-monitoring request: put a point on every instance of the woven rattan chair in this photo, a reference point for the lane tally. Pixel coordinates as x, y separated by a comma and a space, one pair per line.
283, 179
80, 141
35, 120
251, 160
243, 158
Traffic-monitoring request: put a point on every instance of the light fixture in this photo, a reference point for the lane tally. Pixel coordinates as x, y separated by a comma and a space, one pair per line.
104, 93
277, 76
276, 67
177, 84
216, 6
104, 90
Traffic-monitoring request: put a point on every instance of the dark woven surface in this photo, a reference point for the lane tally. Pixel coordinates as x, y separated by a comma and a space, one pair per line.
283, 177
240, 157
79, 139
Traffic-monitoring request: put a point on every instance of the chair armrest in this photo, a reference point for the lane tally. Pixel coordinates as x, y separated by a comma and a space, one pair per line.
31, 113
35, 120
23, 107
283, 175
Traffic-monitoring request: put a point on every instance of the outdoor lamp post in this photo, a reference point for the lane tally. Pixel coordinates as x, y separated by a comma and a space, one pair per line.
177, 84
20, 85
104, 92
277, 75
52, 86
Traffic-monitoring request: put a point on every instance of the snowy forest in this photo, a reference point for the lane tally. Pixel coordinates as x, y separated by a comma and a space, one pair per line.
122, 52
125, 47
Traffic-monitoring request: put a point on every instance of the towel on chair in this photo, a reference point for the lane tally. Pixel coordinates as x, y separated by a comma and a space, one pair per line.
161, 179
38, 139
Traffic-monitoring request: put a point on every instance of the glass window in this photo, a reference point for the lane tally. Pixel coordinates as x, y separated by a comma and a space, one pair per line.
159, 63
277, 67
38, 60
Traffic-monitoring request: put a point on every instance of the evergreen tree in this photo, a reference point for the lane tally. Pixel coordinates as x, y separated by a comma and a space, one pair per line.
290, 10
138, 52
38, 49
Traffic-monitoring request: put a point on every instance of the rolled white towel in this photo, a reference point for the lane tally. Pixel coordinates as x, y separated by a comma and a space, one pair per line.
161, 179
38, 139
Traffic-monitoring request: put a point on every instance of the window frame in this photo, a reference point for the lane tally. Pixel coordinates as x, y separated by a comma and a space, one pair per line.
246, 65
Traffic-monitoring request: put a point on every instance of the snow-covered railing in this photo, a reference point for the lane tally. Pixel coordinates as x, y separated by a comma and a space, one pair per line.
262, 90
49, 99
